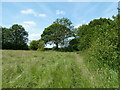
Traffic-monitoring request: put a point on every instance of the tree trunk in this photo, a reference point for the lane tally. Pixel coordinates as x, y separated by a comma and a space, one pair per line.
56, 46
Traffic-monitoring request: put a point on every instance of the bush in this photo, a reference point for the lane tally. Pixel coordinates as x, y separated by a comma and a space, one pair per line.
41, 45
34, 45
104, 45
100, 37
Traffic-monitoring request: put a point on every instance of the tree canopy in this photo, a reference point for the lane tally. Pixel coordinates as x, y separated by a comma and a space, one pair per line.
64, 21
56, 34
14, 37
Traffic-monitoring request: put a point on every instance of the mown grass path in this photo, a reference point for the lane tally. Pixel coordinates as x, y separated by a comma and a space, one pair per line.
85, 71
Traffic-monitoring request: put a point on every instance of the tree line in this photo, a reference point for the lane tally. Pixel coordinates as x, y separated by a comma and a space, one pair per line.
100, 37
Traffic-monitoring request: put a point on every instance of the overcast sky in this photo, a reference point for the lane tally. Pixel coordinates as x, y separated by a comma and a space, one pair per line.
35, 16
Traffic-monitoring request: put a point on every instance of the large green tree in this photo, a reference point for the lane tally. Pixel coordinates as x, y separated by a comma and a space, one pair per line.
14, 37
19, 36
59, 32
56, 34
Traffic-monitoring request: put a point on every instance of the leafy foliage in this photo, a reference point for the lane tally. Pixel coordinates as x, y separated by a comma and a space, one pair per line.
41, 45
34, 44
74, 44
100, 37
14, 37
37, 45
64, 21
56, 34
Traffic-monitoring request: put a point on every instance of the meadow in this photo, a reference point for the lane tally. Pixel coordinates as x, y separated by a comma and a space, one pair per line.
53, 69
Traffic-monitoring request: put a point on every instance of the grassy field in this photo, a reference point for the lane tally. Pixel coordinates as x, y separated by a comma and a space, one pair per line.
51, 69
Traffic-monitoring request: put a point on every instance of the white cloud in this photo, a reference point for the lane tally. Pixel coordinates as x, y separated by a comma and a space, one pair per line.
78, 25
42, 15
34, 36
29, 23
58, 12
28, 11
31, 11
25, 26
83, 22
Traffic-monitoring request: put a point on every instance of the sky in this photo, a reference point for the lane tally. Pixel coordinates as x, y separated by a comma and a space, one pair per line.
35, 16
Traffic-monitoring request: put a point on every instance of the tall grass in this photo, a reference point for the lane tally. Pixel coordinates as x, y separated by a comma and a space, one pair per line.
22, 69
51, 69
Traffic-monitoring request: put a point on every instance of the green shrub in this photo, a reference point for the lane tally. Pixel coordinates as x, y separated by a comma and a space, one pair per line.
100, 37
34, 45
41, 45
